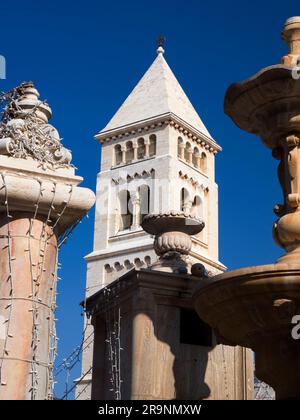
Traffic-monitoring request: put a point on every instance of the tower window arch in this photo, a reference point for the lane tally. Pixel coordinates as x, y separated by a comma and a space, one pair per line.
180, 148
129, 152
152, 145
118, 154
126, 216
144, 194
141, 149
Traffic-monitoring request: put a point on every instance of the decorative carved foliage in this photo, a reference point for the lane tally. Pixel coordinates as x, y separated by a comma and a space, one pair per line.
25, 132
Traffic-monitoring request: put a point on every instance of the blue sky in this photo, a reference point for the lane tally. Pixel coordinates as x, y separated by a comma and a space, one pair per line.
86, 56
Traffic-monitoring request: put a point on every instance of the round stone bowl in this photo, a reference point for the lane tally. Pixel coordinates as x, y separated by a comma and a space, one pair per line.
156, 224
173, 241
267, 104
254, 307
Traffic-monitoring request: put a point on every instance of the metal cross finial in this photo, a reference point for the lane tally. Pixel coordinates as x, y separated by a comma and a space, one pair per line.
161, 41
160, 44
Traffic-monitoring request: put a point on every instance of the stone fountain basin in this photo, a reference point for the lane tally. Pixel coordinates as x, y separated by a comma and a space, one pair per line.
253, 307
267, 103
156, 224
245, 305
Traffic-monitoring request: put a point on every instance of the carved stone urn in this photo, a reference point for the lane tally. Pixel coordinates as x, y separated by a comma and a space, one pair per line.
172, 242
254, 307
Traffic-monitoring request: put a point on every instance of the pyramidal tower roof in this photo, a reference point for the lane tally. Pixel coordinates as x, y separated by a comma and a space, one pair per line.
157, 93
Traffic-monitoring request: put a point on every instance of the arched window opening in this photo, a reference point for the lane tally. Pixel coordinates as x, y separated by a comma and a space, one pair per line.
126, 217
152, 145
196, 157
141, 150
184, 199
118, 155
203, 163
196, 207
144, 193
129, 152
187, 151
180, 148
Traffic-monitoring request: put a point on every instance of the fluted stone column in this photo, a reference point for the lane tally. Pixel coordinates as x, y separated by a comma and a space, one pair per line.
27, 284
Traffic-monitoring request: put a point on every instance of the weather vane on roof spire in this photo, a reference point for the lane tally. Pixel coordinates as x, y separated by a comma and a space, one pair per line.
160, 44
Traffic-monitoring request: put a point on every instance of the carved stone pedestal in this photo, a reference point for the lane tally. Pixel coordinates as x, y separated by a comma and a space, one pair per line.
150, 344
40, 199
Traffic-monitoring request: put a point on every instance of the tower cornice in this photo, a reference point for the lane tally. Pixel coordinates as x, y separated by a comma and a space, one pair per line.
157, 122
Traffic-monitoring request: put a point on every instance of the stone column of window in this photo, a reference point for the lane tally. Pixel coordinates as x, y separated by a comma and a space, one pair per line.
115, 212
190, 158
181, 150
123, 149
187, 206
136, 205
135, 150
147, 147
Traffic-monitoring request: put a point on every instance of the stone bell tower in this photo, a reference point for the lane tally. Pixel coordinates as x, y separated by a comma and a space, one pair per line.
156, 156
